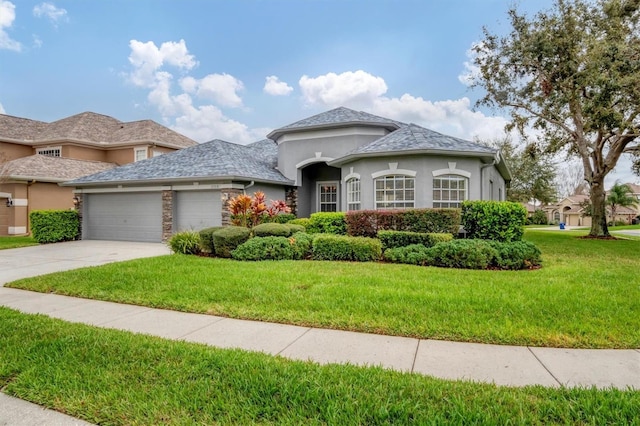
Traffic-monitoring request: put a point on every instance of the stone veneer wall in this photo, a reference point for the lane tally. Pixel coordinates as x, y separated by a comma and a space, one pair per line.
167, 214
291, 198
79, 206
226, 195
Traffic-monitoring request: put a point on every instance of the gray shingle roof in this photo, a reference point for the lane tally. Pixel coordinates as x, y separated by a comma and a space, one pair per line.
216, 159
414, 138
336, 117
55, 169
91, 127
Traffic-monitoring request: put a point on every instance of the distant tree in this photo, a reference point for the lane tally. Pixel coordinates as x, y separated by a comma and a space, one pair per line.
570, 179
532, 173
573, 73
620, 195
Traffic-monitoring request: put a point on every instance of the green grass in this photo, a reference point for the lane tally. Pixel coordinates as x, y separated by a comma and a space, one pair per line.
16, 242
119, 378
587, 295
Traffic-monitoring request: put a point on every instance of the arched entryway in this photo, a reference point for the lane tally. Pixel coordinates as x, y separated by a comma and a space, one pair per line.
319, 189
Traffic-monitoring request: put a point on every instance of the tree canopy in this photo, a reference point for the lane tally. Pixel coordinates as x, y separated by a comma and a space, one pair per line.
620, 195
571, 76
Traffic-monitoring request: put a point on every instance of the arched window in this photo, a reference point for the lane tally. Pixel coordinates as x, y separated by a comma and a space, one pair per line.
395, 192
449, 191
353, 194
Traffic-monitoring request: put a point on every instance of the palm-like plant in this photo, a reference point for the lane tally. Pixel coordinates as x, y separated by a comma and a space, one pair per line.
620, 195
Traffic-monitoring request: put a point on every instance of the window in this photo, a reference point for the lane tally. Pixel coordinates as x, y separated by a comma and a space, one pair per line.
140, 154
449, 191
328, 196
50, 151
353, 194
395, 192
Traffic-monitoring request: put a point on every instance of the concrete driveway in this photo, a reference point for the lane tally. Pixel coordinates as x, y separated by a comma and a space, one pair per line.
47, 258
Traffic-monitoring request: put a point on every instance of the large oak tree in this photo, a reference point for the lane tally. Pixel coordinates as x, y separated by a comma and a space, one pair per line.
573, 74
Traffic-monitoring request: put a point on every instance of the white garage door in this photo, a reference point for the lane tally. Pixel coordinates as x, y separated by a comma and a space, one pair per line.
123, 216
195, 210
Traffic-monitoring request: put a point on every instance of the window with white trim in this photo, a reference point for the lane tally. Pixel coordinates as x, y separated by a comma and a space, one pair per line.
50, 151
140, 154
353, 194
395, 192
449, 191
328, 196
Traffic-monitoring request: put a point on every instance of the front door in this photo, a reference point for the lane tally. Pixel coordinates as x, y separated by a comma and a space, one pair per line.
327, 193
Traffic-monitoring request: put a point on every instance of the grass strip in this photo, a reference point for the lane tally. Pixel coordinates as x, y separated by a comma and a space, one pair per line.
587, 295
116, 378
16, 242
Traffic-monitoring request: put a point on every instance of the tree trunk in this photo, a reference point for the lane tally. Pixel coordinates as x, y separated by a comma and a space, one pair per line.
599, 213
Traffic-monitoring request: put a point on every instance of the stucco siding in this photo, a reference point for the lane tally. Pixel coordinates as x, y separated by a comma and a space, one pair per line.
11, 151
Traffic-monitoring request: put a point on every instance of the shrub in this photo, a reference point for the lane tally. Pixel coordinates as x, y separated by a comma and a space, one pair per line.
465, 254
227, 239
494, 220
206, 239
327, 223
414, 254
367, 223
271, 230
341, 247
295, 228
393, 239
251, 211
301, 245
264, 248
281, 218
304, 221
539, 217
185, 242
52, 226
516, 255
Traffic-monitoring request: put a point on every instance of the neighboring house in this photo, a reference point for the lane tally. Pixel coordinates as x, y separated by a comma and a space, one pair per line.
36, 156
338, 160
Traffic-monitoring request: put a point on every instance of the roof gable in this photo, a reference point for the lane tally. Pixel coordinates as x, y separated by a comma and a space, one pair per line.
55, 169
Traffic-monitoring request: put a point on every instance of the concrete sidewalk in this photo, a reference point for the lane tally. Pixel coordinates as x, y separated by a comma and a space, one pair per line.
502, 365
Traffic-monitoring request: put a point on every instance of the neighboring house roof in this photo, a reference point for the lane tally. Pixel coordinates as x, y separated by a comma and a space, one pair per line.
91, 128
51, 169
635, 189
337, 117
211, 160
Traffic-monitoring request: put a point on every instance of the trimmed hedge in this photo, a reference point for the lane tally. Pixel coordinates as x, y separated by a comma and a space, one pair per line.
494, 220
227, 239
469, 254
341, 247
206, 239
264, 248
327, 223
393, 239
52, 226
301, 244
185, 242
303, 221
280, 218
271, 230
367, 223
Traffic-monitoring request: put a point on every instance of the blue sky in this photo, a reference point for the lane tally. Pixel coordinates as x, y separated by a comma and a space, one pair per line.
235, 70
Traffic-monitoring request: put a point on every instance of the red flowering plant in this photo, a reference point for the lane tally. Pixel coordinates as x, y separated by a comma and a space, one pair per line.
251, 211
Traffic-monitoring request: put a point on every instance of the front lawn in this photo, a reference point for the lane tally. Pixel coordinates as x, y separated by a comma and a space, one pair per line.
114, 377
587, 295
16, 242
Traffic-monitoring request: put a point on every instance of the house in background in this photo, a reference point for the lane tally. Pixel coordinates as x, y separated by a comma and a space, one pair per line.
36, 156
338, 160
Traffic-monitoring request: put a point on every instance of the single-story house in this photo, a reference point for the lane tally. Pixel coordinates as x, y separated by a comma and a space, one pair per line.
573, 211
36, 156
338, 160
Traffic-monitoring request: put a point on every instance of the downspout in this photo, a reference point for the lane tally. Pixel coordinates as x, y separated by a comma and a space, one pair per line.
484, 166
248, 186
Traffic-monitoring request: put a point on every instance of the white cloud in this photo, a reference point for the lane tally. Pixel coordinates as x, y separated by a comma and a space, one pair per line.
273, 86
353, 88
7, 16
51, 12
364, 91
471, 71
182, 107
37, 41
2, 111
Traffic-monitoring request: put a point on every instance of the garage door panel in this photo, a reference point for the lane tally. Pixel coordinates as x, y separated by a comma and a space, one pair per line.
124, 217
195, 210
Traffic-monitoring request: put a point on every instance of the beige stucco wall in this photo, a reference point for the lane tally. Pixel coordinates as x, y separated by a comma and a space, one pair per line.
11, 151
84, 153
120, 156
50, 196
